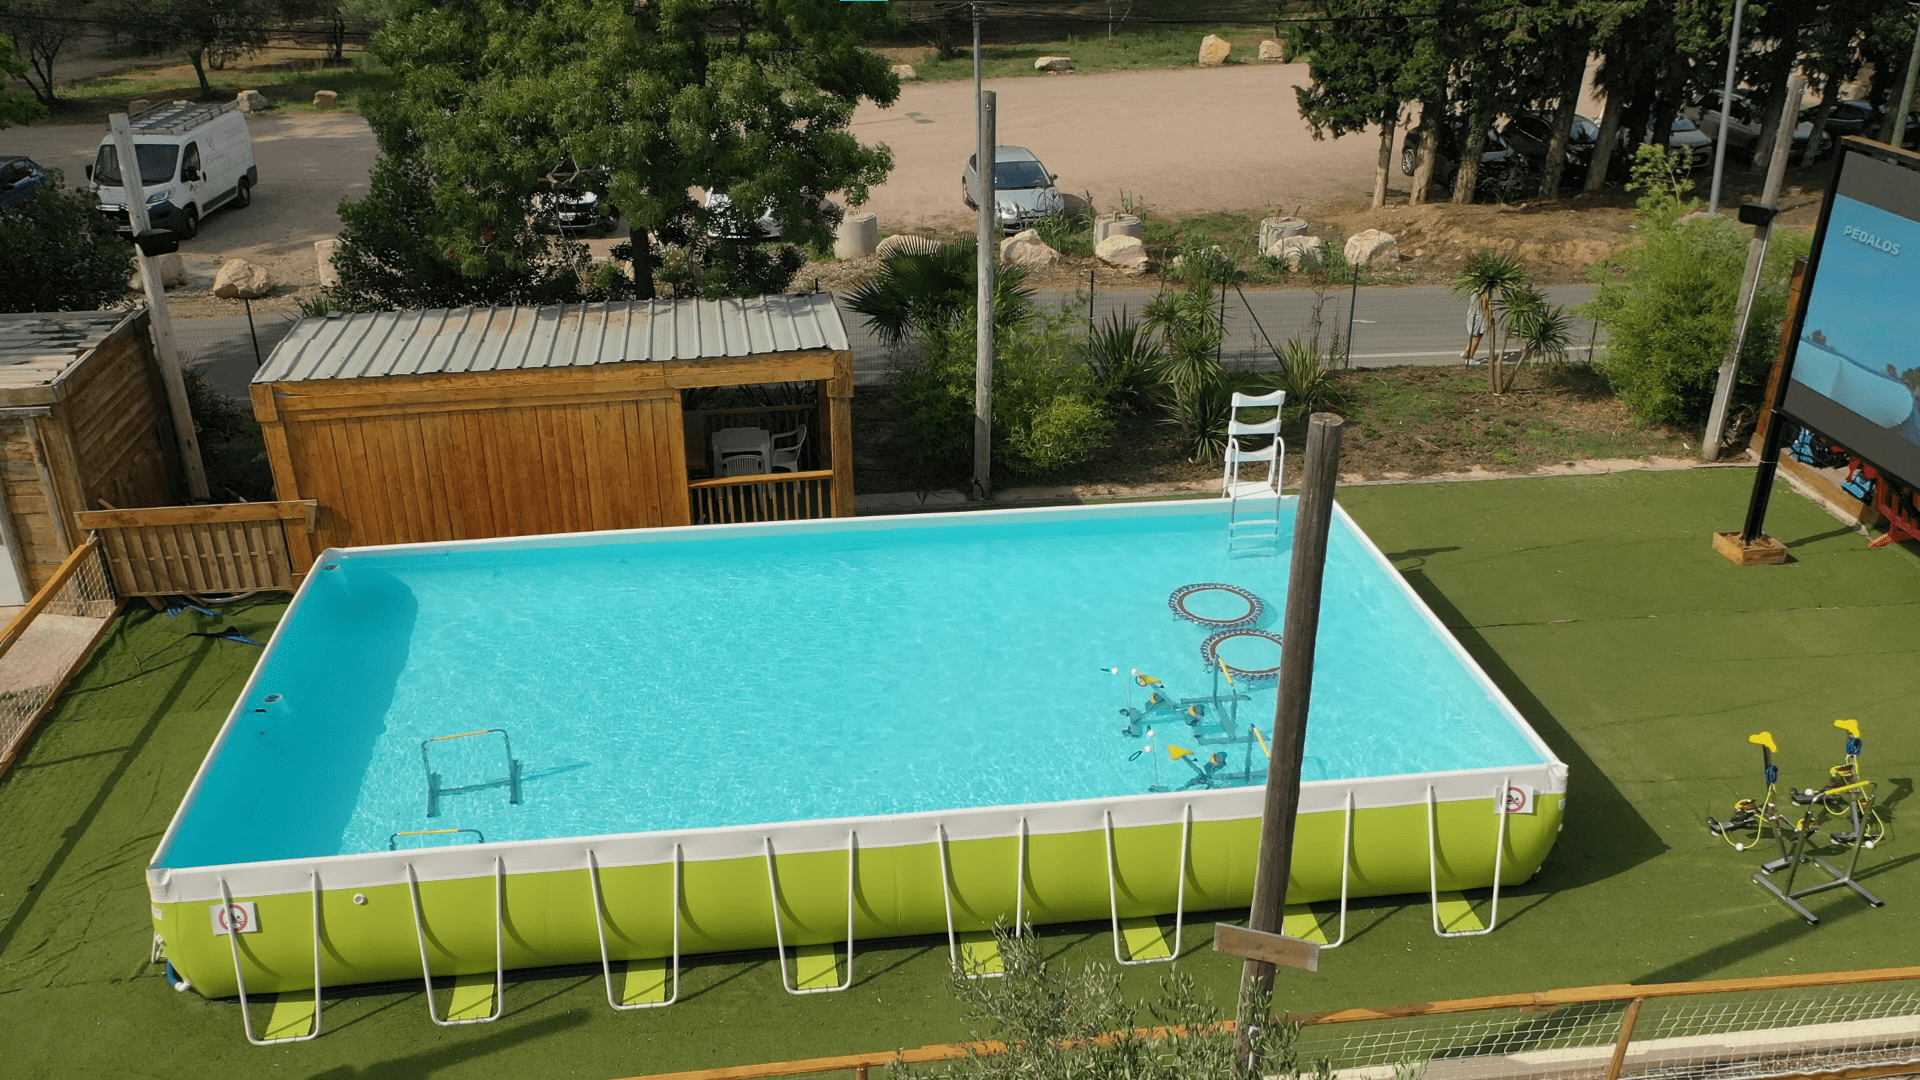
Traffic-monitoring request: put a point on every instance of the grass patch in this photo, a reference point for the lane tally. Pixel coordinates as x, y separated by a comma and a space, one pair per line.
288, 82
1130, 50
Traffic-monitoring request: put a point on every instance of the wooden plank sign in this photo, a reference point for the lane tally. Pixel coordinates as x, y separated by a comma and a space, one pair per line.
1268, 948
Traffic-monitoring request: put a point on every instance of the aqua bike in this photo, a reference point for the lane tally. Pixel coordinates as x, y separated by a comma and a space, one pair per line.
1160, 704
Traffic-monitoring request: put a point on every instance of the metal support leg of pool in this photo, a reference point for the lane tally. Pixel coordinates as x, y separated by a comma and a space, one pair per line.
239, 976
1180, 891
1346, 867
1019, 897
779, 936
499, 946
1499, 853
600, 923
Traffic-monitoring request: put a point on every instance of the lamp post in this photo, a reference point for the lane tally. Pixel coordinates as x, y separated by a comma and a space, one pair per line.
1726, 106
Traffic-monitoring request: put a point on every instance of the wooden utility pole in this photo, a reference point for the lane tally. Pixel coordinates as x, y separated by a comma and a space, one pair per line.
1313, 516
159, 317
983, 321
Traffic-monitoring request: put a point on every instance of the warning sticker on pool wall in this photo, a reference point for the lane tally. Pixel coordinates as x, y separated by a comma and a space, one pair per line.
241, 916
1520, 799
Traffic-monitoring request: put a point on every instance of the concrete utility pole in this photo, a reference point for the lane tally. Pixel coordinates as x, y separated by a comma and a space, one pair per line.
1313, 515
1762, 214
983, 322
1894, 130
1726, 107
159, 316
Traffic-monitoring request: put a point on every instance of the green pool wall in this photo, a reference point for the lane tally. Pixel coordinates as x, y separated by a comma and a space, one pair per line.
725, 903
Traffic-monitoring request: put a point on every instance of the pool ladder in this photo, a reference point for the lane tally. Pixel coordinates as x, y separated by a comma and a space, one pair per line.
511, 781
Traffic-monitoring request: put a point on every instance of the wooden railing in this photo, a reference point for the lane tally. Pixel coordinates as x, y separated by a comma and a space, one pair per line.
201, 550
763, 497
78, 589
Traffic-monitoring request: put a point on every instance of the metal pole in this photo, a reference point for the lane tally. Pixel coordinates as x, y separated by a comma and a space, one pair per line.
1756, 261
1313, 515
1896, 127
1774, 430
1726, 106
983, 322
159, 316
255, 334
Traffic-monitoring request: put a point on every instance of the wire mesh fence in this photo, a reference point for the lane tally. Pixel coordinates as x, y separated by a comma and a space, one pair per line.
48, 639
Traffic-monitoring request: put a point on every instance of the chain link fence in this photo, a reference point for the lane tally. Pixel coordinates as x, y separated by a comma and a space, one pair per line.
49, 638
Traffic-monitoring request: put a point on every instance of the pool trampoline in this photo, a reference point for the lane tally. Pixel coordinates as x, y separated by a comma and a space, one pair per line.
625, 748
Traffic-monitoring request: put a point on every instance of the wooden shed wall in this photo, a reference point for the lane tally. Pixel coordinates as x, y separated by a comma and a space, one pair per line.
42, 545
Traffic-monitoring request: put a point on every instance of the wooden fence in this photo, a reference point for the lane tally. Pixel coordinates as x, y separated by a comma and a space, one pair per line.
201, 550
763, 497
78, 592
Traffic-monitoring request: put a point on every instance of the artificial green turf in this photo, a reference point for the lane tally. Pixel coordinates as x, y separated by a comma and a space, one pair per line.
1640, 655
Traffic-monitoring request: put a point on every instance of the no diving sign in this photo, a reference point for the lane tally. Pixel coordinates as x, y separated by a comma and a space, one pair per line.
1520, 799
229, 917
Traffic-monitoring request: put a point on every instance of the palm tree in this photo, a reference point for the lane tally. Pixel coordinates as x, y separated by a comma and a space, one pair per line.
1190, 330
913, 293
1490, 275
1542, 328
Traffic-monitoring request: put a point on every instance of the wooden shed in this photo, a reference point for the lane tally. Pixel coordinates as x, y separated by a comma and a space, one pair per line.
417, 426
83, 424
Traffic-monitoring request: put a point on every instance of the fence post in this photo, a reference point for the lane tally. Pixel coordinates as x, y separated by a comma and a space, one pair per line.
1626, 1036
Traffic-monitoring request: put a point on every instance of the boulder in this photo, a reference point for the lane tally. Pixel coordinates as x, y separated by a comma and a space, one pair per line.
1053, 63
326, 99
252, 101
1299, 252
323, 252
1214, 50
173, 273
1025, 248
1115, 225
1275, 229
1125, 252
138, 105
906, 244
858, 234
905, 73
239, 279
1370, 247
1272, 50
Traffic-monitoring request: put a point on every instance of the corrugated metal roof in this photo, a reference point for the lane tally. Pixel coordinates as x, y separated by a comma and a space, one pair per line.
39, 349
573, 335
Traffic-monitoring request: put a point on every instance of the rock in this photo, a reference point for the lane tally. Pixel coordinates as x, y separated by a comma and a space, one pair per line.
173, 273
252, 101
906, 244
323, 252
858, 234
1115, 225
138, 105
1299, 252
1025, 248
1214, 50
1275, 229
905, 73
239, 279
1272, 50
1125, 252
326, 99
1370, 247
1053, 63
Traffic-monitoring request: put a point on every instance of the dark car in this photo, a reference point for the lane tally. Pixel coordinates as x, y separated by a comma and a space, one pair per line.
1502, 169
1862, 119
1531, 134
1744, 123
18, 178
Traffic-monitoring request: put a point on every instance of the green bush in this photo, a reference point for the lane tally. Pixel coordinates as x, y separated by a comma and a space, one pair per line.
60, 255
1669, 301
1126, 361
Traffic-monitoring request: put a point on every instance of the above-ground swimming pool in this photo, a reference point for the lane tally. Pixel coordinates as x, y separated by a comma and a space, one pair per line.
630, 746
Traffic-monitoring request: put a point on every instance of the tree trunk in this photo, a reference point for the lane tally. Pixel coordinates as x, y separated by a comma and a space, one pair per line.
1603, 151
1556, 162
1493, 341
198, 57
1828, 96
337, 39
1385, 163
642, 260
1782, 68
1467, 177
1429, 132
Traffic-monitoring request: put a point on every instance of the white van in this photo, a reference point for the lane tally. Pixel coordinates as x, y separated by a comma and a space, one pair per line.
194, 159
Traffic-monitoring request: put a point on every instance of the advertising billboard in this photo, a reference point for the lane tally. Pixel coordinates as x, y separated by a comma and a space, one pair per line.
1855, 369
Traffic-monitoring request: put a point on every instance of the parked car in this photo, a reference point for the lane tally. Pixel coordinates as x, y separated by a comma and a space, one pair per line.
1023, 190
1501, 167
1531, 134
193, 158
1744, 123
576, 204
726, 222
1862, 119
1687, 138
19, 176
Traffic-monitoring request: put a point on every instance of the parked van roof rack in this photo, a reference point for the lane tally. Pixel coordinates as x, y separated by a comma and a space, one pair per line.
177, 117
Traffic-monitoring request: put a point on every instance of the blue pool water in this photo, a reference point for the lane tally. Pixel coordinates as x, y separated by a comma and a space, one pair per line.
711, 678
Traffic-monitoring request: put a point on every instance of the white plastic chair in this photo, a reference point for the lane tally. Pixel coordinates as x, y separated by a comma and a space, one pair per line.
1274, 454
747, 464
785, 457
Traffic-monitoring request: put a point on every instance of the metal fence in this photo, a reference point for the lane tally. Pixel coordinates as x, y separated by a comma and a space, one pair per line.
46, 642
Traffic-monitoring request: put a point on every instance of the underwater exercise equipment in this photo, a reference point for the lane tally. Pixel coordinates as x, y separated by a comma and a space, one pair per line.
1848, 793
1202, 774
1210, 653
1752, 814
1256, 607
1191, 711
434, 789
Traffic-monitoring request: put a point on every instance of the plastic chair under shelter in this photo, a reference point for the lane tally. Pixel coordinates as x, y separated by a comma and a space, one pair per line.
1272, 452
785, 450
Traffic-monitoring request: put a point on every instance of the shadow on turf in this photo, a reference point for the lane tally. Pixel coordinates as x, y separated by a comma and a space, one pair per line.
442, 1056
1608, 836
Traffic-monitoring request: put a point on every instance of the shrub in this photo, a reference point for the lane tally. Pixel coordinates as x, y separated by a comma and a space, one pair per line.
1307, 374
1669, 301
1125, 361
60, 255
